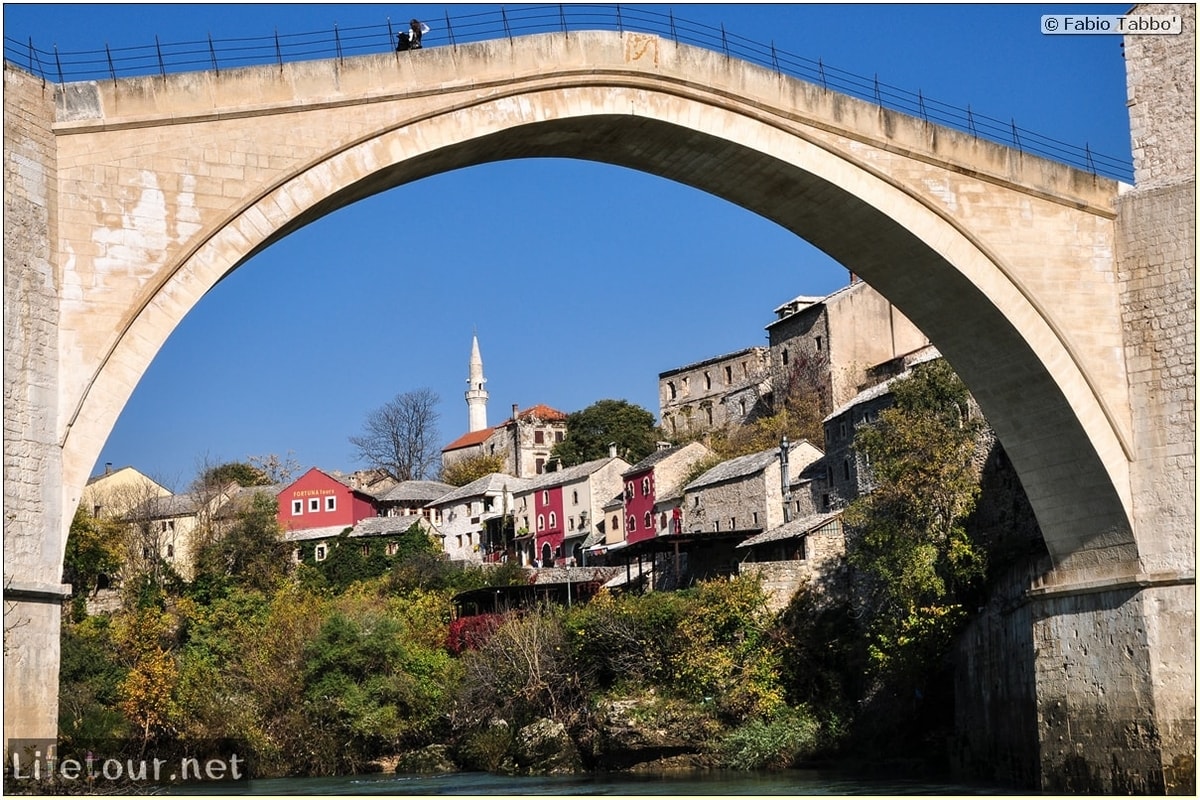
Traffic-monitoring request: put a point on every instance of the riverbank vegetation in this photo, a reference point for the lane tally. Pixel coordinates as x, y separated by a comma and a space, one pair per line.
353, 663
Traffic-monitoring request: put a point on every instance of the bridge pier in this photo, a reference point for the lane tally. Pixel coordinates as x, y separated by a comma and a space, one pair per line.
1113, 666
32, 628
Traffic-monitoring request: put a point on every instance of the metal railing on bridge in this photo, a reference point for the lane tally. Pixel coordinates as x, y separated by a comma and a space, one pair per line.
217, 54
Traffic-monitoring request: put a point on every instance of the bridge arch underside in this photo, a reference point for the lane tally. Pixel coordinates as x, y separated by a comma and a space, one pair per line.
1028, 382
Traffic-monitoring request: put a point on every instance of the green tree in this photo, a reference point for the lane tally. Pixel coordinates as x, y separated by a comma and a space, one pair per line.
908, 536
252, 552
590, 431
94, 548
463, 471
238, 472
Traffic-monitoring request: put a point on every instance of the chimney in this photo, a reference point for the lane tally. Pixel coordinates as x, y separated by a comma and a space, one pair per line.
612, 449
108, 468
514, 411
785, 480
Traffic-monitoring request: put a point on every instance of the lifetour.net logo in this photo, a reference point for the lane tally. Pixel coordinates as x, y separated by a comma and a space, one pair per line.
43, 763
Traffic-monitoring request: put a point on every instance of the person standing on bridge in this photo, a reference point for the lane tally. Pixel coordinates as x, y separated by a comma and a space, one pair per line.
411, 38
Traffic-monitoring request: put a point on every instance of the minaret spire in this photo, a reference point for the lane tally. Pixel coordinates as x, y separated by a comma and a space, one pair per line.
477, 396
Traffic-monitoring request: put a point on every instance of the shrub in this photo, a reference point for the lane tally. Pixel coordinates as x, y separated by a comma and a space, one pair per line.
778, 744
471, 633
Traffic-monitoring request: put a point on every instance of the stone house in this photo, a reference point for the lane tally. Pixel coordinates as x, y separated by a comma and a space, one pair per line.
524, 441
558, 512
377, 538
804, 549
652, 480
834, 341
414, 497
844, 473
713, 393
169, 528
476, 519
743, 494
115, 493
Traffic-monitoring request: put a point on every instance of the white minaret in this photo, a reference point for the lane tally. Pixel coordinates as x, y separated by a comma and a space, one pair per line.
476, 395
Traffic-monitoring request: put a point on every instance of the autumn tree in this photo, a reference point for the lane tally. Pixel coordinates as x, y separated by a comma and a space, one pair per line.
590, 431
401, 436
465, 470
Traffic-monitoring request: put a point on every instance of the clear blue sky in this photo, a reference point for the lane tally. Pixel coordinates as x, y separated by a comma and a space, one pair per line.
538, 256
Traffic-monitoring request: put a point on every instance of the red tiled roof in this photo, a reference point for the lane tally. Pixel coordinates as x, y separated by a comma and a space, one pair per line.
468, 439
542, 412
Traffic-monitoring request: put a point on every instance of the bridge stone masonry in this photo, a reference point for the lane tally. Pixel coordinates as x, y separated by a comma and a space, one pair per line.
1064, 300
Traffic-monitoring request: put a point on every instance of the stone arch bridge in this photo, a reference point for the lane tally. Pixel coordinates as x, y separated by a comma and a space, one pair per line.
127, 200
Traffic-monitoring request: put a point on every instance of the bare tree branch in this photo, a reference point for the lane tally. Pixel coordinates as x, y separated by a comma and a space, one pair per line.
401, 436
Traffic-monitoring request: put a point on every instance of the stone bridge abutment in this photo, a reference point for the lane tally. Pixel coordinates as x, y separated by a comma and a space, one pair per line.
126, 201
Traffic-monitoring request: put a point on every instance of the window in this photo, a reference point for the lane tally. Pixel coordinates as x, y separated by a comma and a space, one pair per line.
696, 501
540, 465
825, 502
829, 474
708, 414
674, 426
733, 523
649, 521
574, 497
539, 437
541, 522
393, 548
629, 491
553, 520
728, 375
742, 407
631, 524
570, 523
754, 517
707, 381
314, 504
297, 555
545, 497
366, 550
671, 389
320, 552
842, 429
784, 356
558, 436
685, 385
846, 468
818, 342
646, 487
488, 502
297, 507
170, 551
616, 522
662, 521
717, 525
331, 503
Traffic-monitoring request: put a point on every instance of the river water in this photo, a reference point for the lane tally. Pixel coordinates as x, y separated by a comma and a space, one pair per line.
790, 782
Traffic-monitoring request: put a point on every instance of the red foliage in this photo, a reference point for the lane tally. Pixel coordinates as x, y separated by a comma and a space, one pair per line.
470, 633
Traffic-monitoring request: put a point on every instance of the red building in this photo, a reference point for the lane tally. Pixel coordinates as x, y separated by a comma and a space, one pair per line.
548, 507
639, 505
317, 500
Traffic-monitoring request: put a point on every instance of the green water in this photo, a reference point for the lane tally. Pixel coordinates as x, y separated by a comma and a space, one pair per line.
791, 782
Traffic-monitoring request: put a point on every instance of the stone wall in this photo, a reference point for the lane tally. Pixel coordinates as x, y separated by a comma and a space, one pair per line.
33, 496
1156, 275
1161, 92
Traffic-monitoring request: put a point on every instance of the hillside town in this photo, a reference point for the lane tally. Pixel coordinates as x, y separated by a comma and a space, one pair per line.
656, 524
